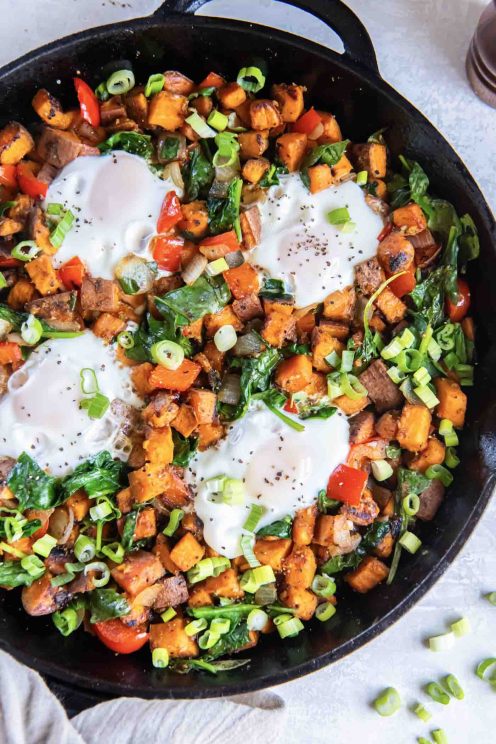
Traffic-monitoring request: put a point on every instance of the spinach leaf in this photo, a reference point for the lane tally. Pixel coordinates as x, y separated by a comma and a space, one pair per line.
324, 504
377, 137
237, 637
274, 289
188, 303
271, 177
98, 476
153, 330
33, 488
468, 240
281, 528
428, 295
222, 213
295, 348
127, 538
410, 481
6, 205
184, 666
329, 154
184, 449
12, 575
132, 142
373, 536
198, 174
106, 604
441, 216
255, 377
320, 409
169, 148
234, 612
27, 530
398, 190
16, 320
340, 562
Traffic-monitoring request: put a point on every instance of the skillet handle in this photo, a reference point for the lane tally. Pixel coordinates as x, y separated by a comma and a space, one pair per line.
358, 46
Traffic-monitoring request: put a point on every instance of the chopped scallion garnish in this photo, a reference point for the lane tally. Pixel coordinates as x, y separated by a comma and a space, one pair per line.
388, 702
160, 658
154, 84
461, 627
251, 79
436, 692
174, 520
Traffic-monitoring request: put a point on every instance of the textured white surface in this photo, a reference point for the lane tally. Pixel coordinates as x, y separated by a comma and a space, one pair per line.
421, 47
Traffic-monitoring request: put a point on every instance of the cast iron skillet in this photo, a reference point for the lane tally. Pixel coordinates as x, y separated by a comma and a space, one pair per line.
350, 86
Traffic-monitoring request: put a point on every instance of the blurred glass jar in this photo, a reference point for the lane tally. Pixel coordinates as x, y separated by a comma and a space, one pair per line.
481, 57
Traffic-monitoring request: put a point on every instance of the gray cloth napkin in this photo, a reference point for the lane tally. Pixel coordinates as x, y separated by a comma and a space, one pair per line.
30, 714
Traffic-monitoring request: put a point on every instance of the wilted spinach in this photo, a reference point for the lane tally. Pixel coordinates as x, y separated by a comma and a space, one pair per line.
132, 142
188, 303
223, 213
33, 488
100, 475
184, 449
274, 289
330, 154
106, 604
198, 174
281, 528
12, 574
153, 330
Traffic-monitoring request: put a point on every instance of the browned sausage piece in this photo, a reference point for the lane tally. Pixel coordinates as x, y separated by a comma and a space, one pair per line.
101, 295
380, 388
430, 501
174, 592
364, 513
248, 307
361, 427
369, 276
58, 310
41, 598
58, 147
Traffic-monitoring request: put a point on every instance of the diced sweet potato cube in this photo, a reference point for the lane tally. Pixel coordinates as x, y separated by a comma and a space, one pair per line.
272, 552
332, 131
387, 425
174, 379
391, 306
304, 525
264, 114
22, 292
152, 480
162, 550
231, 95
43, 275
209, 434
173, 637
395, 253
252, 144
254, 169
251, 227
411, 217
433, 454
158, 446
323, 343
385, 547
214, 356
317, 385
278, 328
452, 401
195, 219
226, 316
371, 157
340, 305
107, 326
167, 110
290, 100
369, 573
242, 281
350, 406
161, 410
146, 524
342, 168
185, 422
187, 552
203, 403
290, 149
125, 500
413, 427
140, 376
320, 177
294, 373
299, 567
15, 143
301, 600
225, 585
80, 505
139, 570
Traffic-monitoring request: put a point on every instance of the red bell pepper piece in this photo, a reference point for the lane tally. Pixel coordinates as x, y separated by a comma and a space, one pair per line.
28, 183
457, 311
167, 250
72, 272
10, 353
123, 639
290, 407
385, 231
227, 239
170, 214
88, 102
346, 484
307, 122
8, 176
403, 284
213, 80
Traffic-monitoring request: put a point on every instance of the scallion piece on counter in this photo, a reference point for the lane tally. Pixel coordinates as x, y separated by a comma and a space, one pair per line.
388, 702
160, 658
120, 82
410, 542
422, 712
154, 84
439, 736
31, 330
251, 79
168, 614
442, 642
174, 520
84, 549
44, 545
381, 470
339, 216
461, 627
441, 473
485, 666
200, 126
254, 517
247, 543
325, 611
436, 692
25, 251
57, 235
168, 354
491, 598
452, 685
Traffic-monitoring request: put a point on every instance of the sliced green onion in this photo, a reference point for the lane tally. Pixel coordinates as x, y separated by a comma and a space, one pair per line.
84, 549
196, 626
62, 579
101, 511
381, 470
392, 349
13, 527
31, 330
57, 236
3, 281
125, 339
55, 209
388, 702
491, 598
393, 451
103, 569
334, 360
290, 628
256, 513
351, 386
361, 178
434, 350
445, 427
409, 360
200, 571
257, 619
33, 565
441, 473
44, 545
267, 594
233, 491
204, 92
422, 739
406, 339
11, 550
421, 376
220, 564
98, 537
208, 639
282, 618
200, 126
453, 686
396, 375
96, 406
338, 216
461, 627
254, 578
154, 84
451, 439
217, 120
120, 82
160, 658
410, 542
168, 614
114, 551
348, 227
411, 504
451, 360
325, 611
214, 268
323, 586
347, 359
439, 736
442, 642
66, 621
168, 354
220, 625
227, 152
422, 712
483, 667
89, 383
426, 395
436, 692
251, 79
247, 542
101, 92
25, 251
225, 338
174, 520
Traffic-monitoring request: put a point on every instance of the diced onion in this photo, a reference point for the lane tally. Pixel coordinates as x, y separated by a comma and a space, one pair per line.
230, 390
173, 171
234, 259
247, 345
257, 620
61, 523
194, 269
317, 132
225, 338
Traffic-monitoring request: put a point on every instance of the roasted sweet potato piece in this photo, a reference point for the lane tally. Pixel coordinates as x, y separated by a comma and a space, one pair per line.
350, 406
225, 584
290, 100
174, 638
139, 570
342, 169
161, 410
304, 525
363, 513
209, 434
167, 110
195, 219
41, 598
371, 157
369, 276
146, 524
264, 114
43, 275
99, 295
433, 454
410, 217
369, 573
340, 305
278, 328
251, 226
80, 505
107, 326
21, 293
185, 421
323, 343
178, 379
362, 427
9, 227
385, 547
252, 144
272, 552
332, 131
387, 425
136, 104
395, 253
214, 356
301, 600
187, 552
290, 149
158, 446
320, 177
176, 82
140, 376
162, 550
317, 385
294, 373
254, 169
153, 479
15, 143
231, 96
391, 306
452, 401
226, 316
203, 404
299, 567
413, 427
39, 232
242, 281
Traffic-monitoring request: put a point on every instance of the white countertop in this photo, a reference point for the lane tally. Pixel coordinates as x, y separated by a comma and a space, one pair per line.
421, 46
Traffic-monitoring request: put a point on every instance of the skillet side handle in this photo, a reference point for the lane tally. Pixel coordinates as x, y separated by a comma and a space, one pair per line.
356, 40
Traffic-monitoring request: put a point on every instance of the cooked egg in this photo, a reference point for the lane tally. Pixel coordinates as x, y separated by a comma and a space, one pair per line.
40, 412
282, 469
300, 246
116, 201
